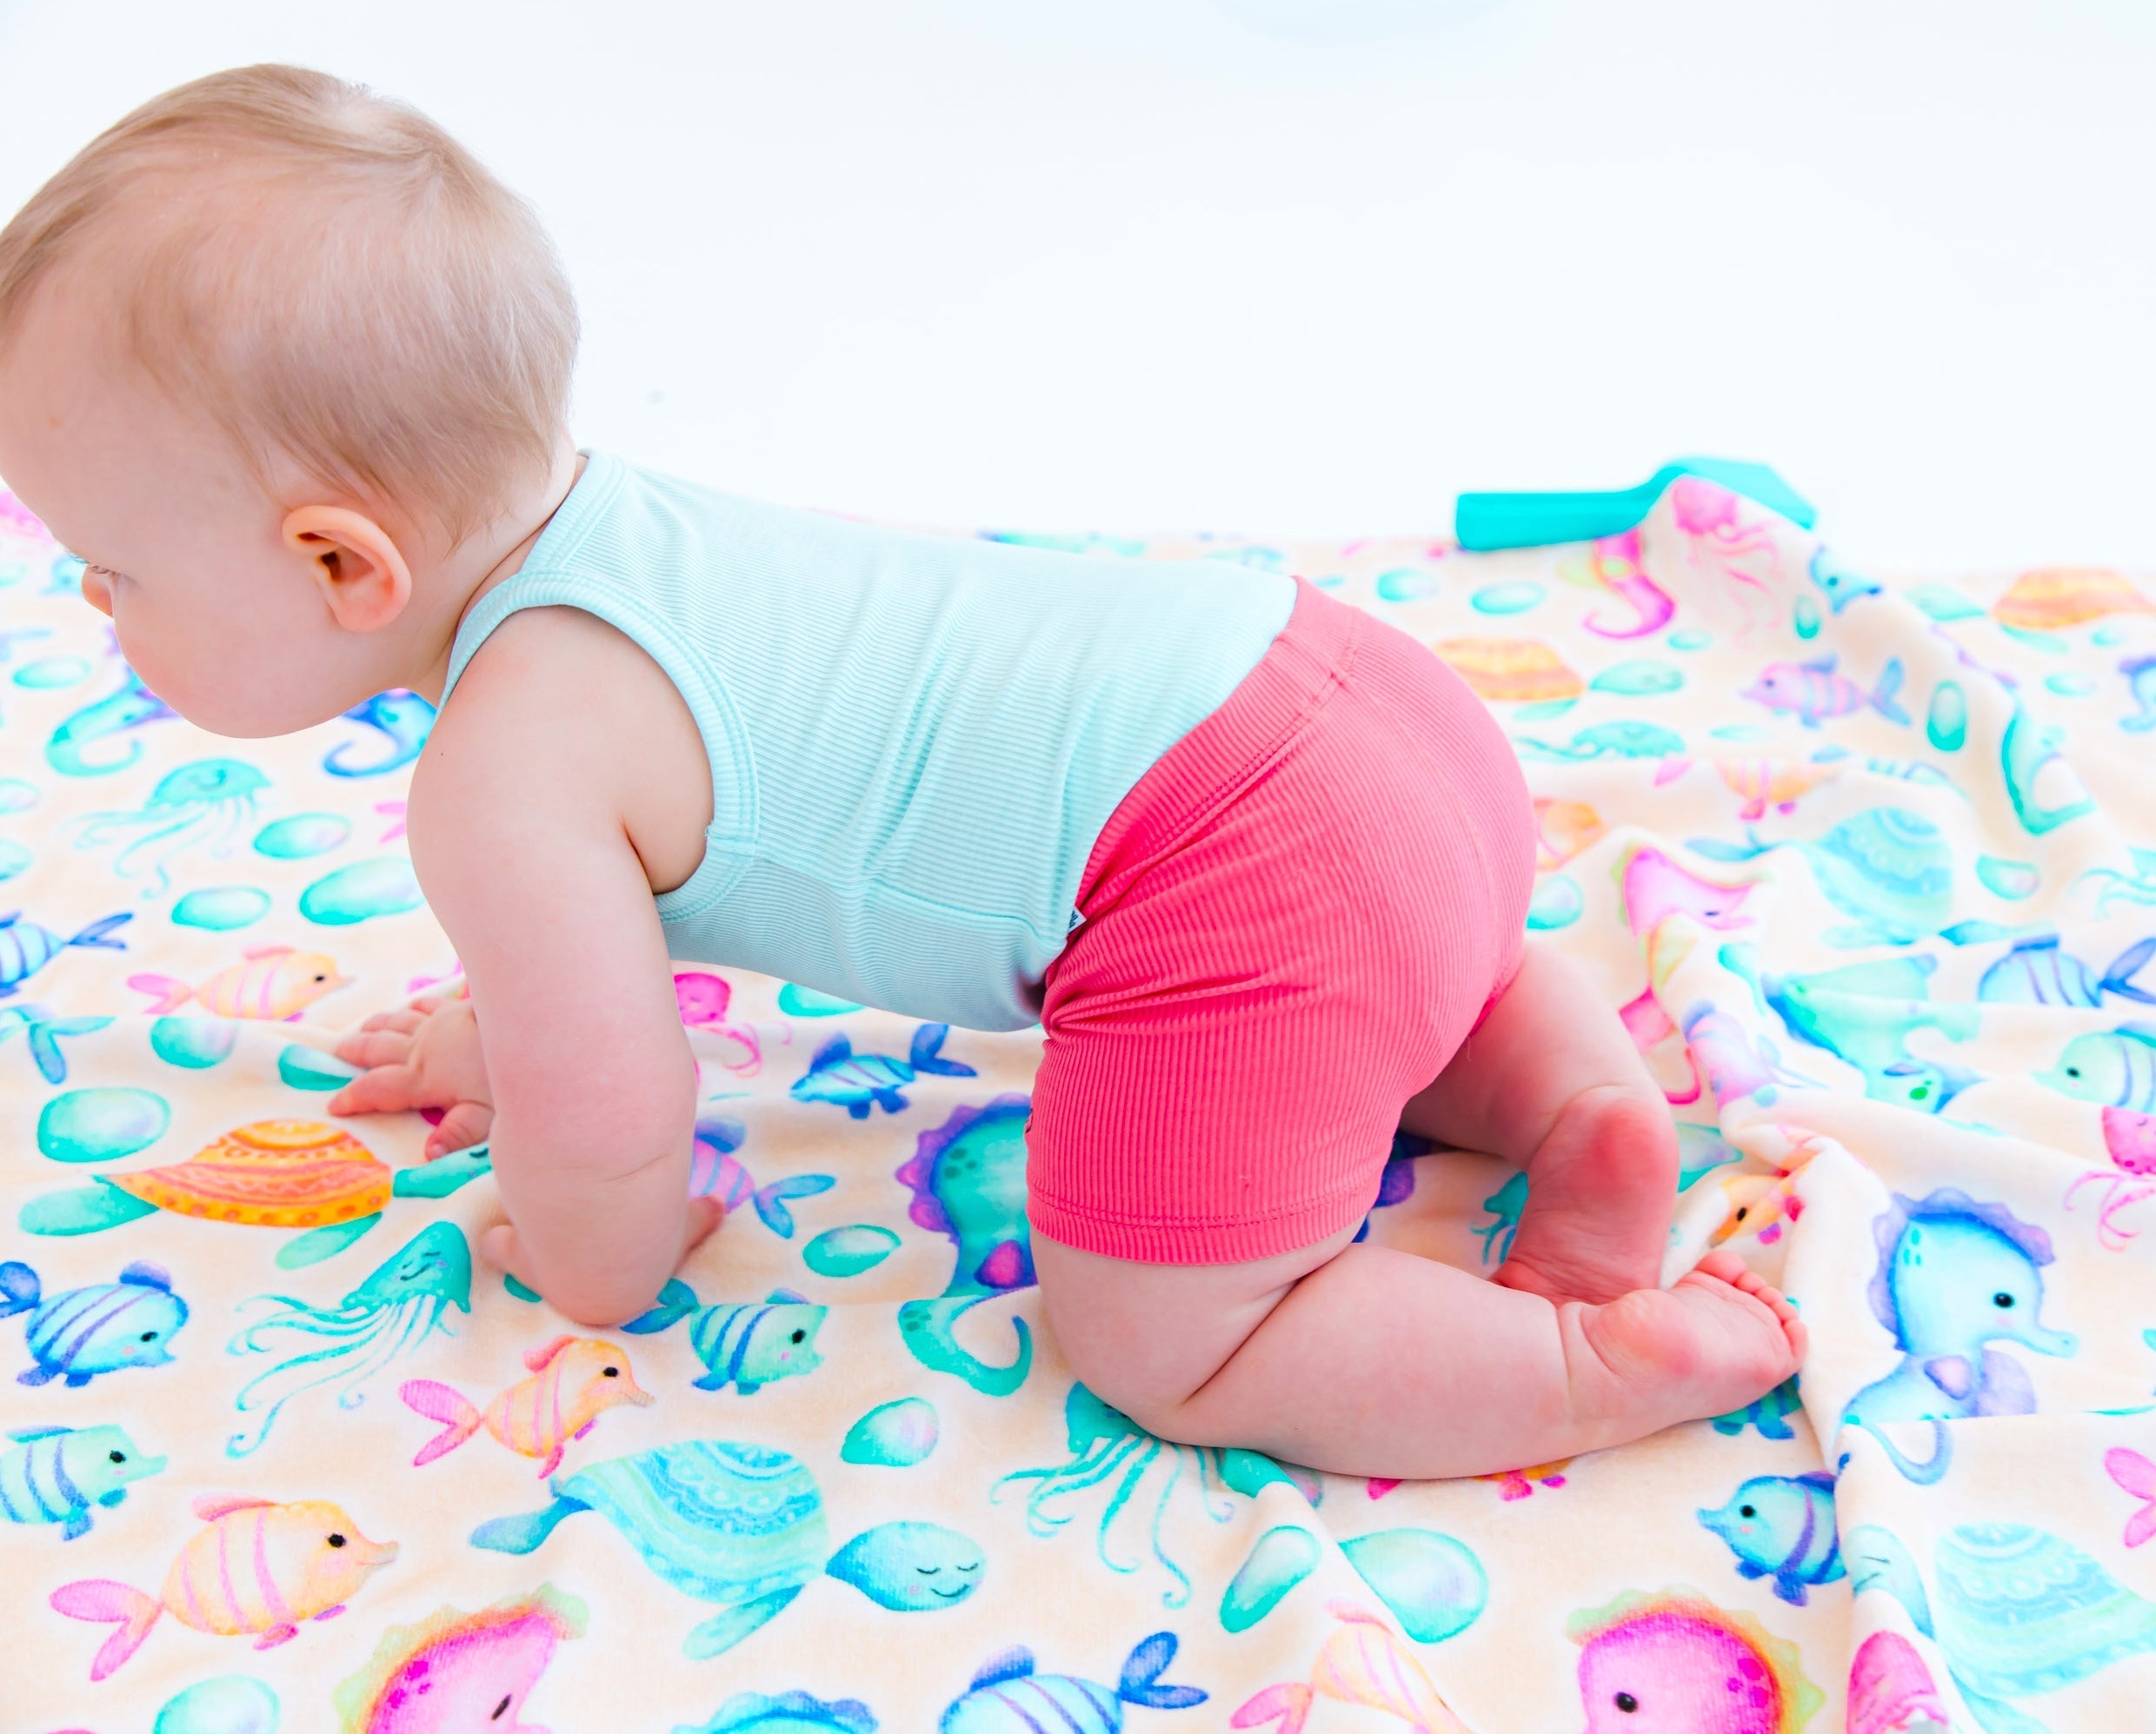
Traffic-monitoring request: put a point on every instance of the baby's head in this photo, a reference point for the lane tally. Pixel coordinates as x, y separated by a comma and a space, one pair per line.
284, 363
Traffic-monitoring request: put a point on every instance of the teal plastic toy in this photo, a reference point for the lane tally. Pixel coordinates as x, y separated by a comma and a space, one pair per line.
1485, 522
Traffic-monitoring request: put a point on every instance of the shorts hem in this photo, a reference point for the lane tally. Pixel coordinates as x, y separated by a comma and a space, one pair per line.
1199, 1242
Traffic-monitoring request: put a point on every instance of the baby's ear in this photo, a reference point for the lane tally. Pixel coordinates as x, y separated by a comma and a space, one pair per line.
353, 560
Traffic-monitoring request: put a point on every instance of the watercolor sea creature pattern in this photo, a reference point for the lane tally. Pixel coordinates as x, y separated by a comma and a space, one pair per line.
1868, 868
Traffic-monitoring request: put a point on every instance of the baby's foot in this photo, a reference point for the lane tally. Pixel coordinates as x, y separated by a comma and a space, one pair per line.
1719, 1338
1601, 1187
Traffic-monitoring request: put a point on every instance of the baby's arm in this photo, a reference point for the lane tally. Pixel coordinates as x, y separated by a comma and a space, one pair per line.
522, 854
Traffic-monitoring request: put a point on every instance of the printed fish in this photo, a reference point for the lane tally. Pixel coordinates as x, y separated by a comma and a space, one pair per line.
574, 1381
1782, 1526
26, 948
1006, 1697
857, 1082
1812, 691
42, 1031
1780, 783
55, 1474
1843, 584
2037, 972
1360, 1664
259, 1569
81, 1332
275, 981
714, 1172
747, 1345
2116, 1068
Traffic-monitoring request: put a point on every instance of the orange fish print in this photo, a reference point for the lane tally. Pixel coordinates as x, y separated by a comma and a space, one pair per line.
574, 1381
258, 1568
1562, 829
1780, 783
275, 981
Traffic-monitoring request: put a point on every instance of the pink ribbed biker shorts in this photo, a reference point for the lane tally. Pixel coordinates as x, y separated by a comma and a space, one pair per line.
1290, 925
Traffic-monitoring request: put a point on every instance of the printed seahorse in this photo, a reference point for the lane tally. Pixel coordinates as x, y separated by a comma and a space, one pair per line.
1614, 564
131, 707
968, 1181
402, 719
1955, 1277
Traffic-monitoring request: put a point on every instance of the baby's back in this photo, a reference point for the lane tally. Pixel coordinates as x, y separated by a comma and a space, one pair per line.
914, 740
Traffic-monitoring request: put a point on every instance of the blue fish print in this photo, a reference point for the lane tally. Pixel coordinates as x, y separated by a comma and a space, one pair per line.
55, 1474
84, 1331
1782, 1526
26, 948
402, 719
42, 1031
858, 1082
2115, 1067
747, 1345
2036, 972
1842, 584
2140, 673
1006, 1697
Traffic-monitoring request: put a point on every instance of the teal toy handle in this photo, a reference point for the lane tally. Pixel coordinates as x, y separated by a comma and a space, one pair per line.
1484, 523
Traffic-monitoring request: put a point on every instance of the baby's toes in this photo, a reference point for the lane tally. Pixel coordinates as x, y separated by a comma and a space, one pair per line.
1723, 1267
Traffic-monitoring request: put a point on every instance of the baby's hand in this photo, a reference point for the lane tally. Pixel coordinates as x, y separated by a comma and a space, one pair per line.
428, 1057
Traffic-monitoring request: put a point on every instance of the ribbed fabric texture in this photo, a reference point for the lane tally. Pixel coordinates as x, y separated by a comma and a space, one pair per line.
915, 740
1291, 924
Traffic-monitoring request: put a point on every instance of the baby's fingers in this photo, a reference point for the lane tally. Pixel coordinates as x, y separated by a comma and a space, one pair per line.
465, 1125
404, 1020
383, 1090
367, 1048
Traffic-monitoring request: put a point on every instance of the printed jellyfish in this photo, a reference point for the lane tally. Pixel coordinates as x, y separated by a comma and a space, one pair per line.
206, 803
385, 1318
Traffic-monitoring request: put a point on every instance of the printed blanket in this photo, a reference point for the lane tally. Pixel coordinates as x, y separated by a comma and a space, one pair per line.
1868, 867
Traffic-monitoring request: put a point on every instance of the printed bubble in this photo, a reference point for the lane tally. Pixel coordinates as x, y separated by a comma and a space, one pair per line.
16, 795
2015, 880
219, 909
1282, 1559
13, 857
101, 1125
798, 1001
1639, 678
309, 1068
361, 892
193, 1043
1515, 598
1690, 638
849, 1250
1558, 902
1434, 1584
897, 1435
48, 671
1946, 723
302, 835
231, 1704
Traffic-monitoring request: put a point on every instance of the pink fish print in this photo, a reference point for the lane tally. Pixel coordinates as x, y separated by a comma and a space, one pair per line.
1812, 691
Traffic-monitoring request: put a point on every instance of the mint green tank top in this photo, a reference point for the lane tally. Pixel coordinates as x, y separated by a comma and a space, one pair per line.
915, 740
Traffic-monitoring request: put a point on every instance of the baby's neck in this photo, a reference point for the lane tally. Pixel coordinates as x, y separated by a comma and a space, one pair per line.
485, 561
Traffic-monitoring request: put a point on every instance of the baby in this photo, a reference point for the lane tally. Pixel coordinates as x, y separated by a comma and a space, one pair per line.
290, 370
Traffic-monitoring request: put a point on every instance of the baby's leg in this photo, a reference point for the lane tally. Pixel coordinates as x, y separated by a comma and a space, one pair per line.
1365, 1360
1551, 1080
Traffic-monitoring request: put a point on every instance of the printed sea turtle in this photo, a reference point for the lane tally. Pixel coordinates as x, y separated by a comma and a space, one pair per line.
741, 1525
269, 1174
2018, 1613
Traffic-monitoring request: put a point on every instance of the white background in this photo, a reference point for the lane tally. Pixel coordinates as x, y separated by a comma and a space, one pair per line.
1295, 265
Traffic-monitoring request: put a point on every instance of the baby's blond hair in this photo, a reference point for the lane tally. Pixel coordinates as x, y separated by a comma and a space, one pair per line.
329, 275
